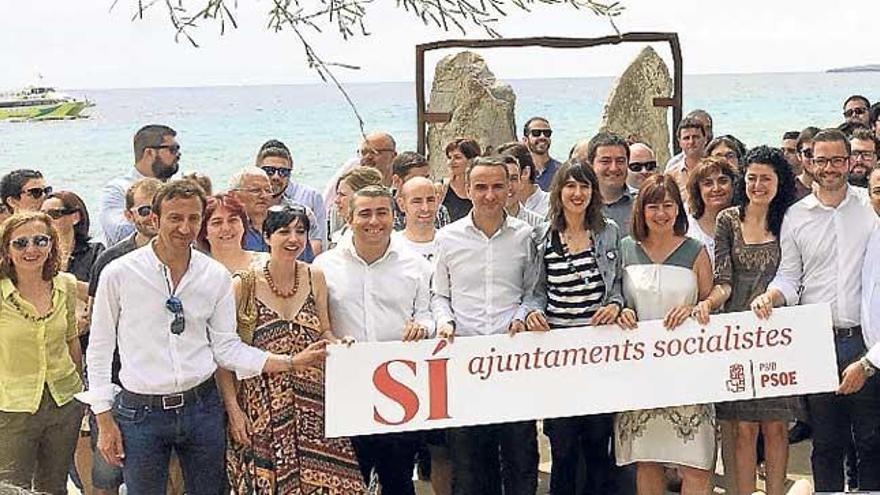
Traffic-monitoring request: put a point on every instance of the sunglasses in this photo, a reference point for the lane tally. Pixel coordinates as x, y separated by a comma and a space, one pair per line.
143, 210
59, 212
178, 324
538, 132
172, 148
37, 192
807, 152
22, 243
279, 171
279, 209
855, 111
638, 166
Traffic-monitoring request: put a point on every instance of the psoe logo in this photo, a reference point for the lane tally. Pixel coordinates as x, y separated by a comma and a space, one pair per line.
736, 382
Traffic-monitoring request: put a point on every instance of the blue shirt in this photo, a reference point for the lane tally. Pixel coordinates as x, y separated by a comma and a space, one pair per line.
545, 178
307, 196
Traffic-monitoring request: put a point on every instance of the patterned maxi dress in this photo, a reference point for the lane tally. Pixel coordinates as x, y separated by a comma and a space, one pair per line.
682, 435
289, 453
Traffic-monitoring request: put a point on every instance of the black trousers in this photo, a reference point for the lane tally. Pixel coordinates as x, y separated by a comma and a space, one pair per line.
837, 419
393, 456
582, 449
487, 458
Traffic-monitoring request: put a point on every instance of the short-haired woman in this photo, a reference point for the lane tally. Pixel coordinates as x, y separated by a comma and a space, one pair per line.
665, 273
459, 154
710, 190
40, 357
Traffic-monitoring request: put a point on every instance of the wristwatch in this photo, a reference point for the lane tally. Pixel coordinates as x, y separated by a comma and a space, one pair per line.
867, 367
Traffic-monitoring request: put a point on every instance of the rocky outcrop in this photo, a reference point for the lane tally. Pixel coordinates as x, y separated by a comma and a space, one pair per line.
481, 107
630, 109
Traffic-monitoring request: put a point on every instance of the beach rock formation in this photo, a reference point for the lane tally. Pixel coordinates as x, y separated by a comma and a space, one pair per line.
630, 111
481, 107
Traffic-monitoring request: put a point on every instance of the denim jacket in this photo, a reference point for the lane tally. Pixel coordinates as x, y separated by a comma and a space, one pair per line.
606, 245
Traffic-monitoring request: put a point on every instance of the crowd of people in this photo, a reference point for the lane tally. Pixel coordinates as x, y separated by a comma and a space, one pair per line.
194, 325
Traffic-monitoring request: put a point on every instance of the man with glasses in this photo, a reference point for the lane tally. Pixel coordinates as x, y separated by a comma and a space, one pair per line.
855, 110
170, 311
863, 156
106, 478
536, 136
823, 242
275, 159
23, 190
642, 165
157, 155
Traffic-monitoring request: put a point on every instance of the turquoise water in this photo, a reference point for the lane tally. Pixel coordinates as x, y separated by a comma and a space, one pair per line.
220, 128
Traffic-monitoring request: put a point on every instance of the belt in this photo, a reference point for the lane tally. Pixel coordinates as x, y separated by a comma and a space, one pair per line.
170, 401
848, 332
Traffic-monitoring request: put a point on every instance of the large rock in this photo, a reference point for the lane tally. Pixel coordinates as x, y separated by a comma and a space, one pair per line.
630, 109
481, 107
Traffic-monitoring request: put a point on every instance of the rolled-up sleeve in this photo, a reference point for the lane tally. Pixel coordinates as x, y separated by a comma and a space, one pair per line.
791, 268
229, 351
102, 343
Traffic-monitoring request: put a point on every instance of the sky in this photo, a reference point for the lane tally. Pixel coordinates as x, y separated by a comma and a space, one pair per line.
84, 44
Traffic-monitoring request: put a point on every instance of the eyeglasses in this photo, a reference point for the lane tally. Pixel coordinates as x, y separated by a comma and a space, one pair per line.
638, 166
178, 324
172, 148
538, 132
374, 151
22, 243
855, 111
730, 155
143, 210
256, 191
862, 155
60, 212
37, 192
807, 152
279, 171
837, 161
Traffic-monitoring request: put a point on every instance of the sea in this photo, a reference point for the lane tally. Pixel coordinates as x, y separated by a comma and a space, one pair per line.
220, 129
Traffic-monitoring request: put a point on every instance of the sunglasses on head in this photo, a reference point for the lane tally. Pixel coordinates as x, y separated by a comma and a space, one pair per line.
855, 111
22, 243
638, 166
537, 132
175, 306
60, 212
37, 192
143, 210
279, 171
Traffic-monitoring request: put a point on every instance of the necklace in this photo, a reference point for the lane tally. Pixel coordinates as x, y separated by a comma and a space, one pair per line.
274, 288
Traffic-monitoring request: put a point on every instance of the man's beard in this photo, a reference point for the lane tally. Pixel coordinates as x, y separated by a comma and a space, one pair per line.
858, 179
162, 172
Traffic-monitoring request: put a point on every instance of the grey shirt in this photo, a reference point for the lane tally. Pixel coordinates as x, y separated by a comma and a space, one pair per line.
621, 212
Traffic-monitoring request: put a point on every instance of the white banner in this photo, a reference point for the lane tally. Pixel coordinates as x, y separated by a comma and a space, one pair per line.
404, 386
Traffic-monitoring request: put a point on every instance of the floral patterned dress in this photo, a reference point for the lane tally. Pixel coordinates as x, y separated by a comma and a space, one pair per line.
682, 435
289, 453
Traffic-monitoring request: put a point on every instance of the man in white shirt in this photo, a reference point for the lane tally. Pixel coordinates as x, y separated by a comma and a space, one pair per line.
379, 291
518, 179
417, 199
156, 154
531, 196
693, 135
484, 276
171, 311
823, 240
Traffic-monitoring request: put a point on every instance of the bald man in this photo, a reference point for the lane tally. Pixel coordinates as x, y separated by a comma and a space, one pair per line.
417, 199
642, 165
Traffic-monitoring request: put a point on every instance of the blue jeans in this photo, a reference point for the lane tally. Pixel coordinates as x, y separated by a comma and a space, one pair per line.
195, 431
837, 419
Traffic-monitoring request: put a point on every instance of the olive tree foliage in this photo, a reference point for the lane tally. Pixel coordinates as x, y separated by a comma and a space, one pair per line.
348, 18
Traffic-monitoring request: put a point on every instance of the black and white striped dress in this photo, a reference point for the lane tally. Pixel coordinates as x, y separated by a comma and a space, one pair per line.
575, 288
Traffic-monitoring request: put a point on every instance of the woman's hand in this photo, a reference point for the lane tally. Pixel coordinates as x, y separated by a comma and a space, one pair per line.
627, 319
413, 331
311, 355
537, 322
606, 315
762, 306
677, 315
701, 311
239, 425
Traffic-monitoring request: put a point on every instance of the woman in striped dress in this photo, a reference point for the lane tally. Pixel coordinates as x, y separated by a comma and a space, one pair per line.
581, 287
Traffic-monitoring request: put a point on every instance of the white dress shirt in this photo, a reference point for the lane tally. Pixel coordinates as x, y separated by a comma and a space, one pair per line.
481, 283
871, 299
111, 211
823, 250
129, 309
539, 202
372, 302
